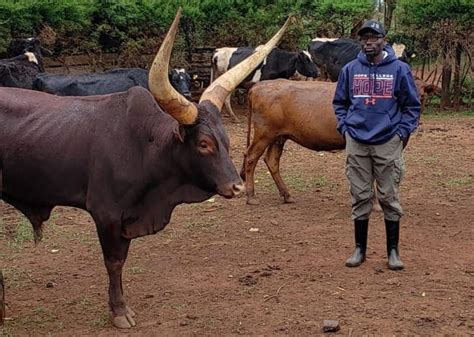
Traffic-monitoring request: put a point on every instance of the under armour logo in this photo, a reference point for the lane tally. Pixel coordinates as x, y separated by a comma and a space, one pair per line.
375, 25
369, 101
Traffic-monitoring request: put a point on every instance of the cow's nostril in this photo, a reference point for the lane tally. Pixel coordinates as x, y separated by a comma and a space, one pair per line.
238, 189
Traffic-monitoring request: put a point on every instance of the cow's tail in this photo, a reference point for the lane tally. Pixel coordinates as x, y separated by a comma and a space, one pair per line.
249, 117
213, 67
249, 130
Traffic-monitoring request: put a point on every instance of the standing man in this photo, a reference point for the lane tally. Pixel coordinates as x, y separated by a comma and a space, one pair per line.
377, 108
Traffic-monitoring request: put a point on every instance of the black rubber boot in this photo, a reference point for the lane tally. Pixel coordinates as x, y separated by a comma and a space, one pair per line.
361, 228
392, 229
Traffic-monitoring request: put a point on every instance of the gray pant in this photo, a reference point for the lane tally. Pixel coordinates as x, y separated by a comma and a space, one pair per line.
383, 163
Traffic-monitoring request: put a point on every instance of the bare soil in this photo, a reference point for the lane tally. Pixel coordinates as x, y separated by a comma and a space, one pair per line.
225, 268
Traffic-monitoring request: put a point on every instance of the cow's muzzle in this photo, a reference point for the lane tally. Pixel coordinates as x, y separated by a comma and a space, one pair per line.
233, 190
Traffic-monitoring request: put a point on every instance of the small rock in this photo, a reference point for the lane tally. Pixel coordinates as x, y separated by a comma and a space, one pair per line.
50, 284
254, 229
274, 222
149, 296
248, 280
393, 281
330, 325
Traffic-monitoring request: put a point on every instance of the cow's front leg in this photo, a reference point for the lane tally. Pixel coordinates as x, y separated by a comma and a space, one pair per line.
115, 250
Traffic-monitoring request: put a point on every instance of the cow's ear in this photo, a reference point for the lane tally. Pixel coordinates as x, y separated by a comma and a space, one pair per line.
179, 132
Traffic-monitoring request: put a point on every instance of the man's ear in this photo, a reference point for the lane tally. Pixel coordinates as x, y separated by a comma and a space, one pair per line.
179, 133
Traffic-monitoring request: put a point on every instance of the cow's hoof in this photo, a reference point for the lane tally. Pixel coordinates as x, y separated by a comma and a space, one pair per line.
252, 201
124, 322
288, 200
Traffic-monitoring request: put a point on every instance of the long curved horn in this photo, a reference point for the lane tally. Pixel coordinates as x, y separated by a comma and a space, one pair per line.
225, 84
171, 100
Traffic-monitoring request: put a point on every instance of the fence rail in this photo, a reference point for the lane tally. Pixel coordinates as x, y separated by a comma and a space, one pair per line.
199, 63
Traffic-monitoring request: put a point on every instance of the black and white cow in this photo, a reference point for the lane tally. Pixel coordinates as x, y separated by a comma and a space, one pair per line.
402, 52
108, 82
20, 71
21, 46
24, 61
330, 55
278, 64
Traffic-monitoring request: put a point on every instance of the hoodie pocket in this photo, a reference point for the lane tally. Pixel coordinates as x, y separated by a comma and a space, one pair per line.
370, 122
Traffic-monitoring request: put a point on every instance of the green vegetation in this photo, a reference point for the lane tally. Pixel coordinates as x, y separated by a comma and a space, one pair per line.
431, 160
22, 233
137, 270
298, 183
294, 181
442, 30
91, 26
439, 31
460, 181
433, 111
199, 225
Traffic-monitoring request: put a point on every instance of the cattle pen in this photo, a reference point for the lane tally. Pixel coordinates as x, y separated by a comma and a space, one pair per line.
122, 211
223, 267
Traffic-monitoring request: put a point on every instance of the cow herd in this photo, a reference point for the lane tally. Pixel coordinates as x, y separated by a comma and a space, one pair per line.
25, 70
139, 147
324, 58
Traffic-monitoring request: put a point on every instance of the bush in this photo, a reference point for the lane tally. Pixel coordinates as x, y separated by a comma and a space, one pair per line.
83, 26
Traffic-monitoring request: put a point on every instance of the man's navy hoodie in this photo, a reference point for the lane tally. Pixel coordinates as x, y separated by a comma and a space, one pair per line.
373, 102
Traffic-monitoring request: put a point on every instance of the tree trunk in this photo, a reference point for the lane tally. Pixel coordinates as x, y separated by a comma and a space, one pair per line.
446, 78
388, 13
457, 80
2, 299
187, 27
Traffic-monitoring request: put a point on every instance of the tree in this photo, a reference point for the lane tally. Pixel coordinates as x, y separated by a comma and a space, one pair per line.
389, 7
446, 27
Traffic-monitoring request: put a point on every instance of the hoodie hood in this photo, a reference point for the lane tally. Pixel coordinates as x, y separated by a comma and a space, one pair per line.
388, 59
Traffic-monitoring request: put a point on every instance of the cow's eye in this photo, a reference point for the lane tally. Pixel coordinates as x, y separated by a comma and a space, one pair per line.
205, 147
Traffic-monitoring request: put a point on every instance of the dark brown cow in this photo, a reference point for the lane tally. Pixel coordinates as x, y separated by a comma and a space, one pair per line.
122, 157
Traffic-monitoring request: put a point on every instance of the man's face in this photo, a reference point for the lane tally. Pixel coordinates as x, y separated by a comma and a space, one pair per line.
372, 43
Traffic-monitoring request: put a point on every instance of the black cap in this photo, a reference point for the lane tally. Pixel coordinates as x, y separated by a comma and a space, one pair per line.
372, 25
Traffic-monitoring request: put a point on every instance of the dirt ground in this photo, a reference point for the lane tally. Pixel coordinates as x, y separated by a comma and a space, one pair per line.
224, 268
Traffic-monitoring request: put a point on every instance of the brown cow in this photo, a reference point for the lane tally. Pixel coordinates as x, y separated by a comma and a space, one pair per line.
283, 109
426, 91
